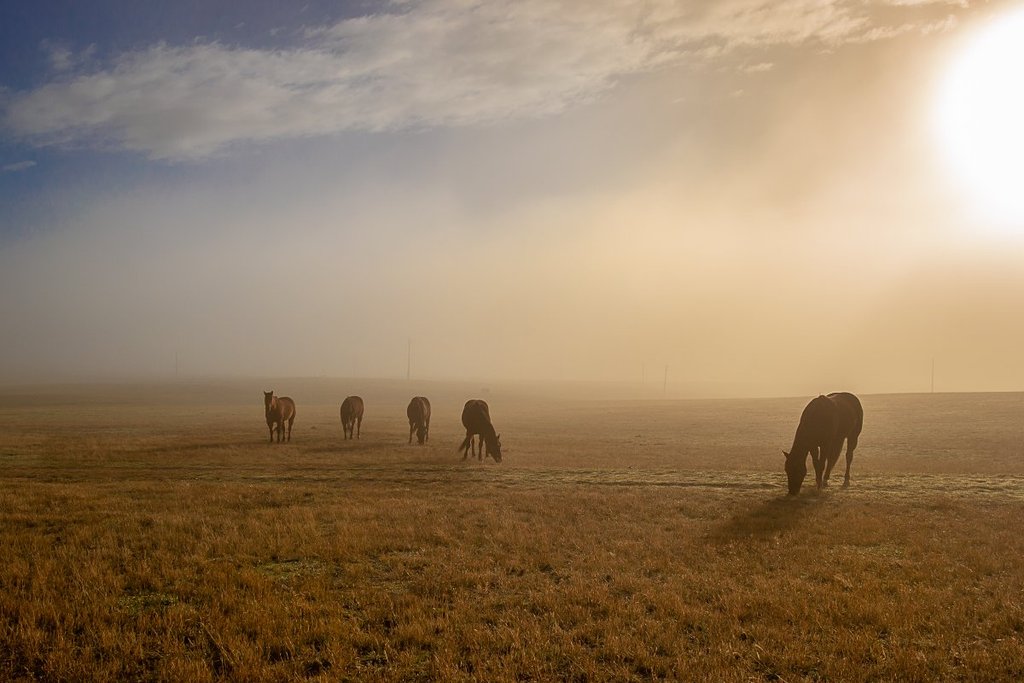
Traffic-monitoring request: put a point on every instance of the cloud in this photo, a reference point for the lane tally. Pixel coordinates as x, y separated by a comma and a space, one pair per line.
17, 166
422, 64
923, 3
921, 28
62, 58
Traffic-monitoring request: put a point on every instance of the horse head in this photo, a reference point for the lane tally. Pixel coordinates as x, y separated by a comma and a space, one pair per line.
796, 470
421, 434
269, 400
494, 450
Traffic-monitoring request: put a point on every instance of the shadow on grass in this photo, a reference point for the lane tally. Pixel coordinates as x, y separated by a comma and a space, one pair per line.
768, 519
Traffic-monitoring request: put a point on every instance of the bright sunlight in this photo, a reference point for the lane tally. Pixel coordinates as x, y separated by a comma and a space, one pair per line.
980, 119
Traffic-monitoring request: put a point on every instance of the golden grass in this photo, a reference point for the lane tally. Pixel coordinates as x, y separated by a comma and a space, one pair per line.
157, 540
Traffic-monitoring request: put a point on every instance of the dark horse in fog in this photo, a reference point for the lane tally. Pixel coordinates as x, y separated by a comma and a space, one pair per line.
825, 423
419, 418
351, 416
278, 409
476, 418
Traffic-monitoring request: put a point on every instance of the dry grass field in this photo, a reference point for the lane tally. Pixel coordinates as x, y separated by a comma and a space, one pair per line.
151, 533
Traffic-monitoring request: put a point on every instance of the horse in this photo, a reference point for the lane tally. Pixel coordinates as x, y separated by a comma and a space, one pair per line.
419, 418
351, 416
476, 418
825, 423
278, 409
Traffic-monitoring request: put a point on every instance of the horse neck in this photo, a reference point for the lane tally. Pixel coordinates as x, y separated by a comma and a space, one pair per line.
802, 444
488, 433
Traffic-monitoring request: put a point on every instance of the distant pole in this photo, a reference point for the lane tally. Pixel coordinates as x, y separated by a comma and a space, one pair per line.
664, 387
933, 374
408, 362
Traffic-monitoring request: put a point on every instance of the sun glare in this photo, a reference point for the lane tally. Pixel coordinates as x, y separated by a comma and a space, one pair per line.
980, 119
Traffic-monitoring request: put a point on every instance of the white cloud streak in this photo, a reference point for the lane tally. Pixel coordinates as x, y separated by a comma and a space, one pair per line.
17, 166
422, 64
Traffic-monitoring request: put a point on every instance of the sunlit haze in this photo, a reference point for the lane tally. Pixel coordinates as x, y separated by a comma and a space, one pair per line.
980, 117
764, 198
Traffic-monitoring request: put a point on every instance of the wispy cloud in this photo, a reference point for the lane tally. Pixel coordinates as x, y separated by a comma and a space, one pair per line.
62, 58
17, 166
428, 63
922, 3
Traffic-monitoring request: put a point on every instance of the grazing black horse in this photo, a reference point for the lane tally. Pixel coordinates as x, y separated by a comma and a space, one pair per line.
278, 410
419, 418
351, 416
476, 418
824, 424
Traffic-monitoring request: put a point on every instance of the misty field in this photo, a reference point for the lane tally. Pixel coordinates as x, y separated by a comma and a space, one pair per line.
151, 533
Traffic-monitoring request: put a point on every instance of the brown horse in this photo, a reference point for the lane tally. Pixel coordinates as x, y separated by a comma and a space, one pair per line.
825, 423
476, 418
351, 416
419, 418
278, 409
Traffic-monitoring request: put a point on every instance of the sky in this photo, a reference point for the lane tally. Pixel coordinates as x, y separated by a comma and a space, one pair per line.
766, 198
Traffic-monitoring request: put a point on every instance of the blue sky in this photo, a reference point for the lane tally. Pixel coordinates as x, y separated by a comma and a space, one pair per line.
659, 178
37, 38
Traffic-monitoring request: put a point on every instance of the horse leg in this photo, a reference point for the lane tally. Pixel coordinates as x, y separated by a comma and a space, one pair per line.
817, 457
851, 443
410, 432
291, 421
468, 444
833, 457
359, 425
827, 462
